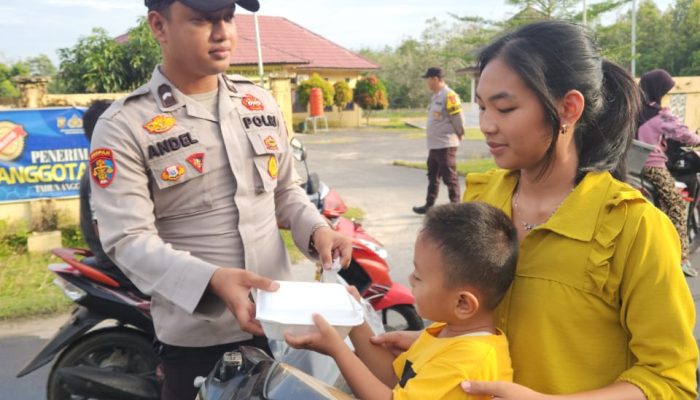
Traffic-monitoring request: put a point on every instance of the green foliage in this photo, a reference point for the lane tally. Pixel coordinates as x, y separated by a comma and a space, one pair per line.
370, 94
72, 236
98, 64
315, 81
26, 287
7, 75
342, 96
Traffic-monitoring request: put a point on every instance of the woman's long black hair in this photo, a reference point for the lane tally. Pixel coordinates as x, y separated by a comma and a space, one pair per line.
554, 57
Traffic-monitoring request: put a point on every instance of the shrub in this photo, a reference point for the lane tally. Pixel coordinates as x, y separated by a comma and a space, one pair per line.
304, 90
343, 95
370, 94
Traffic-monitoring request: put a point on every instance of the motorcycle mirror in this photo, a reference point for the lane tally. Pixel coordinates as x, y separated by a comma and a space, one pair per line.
298, 148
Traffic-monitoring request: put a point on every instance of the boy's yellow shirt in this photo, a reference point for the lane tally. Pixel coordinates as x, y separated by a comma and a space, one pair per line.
432, 368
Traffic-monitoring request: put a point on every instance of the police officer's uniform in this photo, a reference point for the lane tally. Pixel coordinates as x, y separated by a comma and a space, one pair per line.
179, 192
444, 129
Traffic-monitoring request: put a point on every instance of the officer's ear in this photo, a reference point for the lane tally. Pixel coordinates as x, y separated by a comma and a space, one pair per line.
157, 22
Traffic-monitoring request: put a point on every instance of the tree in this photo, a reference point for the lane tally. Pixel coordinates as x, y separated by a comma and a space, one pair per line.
41, 65
343, 95
7, 75
315, 81
98, 64
370, 94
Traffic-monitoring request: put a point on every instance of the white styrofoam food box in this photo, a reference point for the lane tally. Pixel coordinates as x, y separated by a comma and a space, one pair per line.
291, 307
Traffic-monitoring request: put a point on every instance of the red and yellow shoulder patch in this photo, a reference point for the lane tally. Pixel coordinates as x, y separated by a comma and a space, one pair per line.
103, 167
252, 103
160, 124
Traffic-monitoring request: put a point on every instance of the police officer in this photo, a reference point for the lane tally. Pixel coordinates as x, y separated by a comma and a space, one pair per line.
191, 176
445, 130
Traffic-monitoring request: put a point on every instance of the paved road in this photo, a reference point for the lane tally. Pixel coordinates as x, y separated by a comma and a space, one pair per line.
358, 165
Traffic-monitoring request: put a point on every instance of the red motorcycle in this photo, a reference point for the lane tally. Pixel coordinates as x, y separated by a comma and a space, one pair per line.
368, 270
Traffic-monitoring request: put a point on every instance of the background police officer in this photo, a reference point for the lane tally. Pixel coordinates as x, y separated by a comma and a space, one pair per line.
445, 130
191, 176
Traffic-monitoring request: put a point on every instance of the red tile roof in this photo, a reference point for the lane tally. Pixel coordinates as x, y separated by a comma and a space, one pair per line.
284, 42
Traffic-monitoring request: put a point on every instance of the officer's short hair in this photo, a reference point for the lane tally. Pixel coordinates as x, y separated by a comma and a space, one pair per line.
92, 114
479, 247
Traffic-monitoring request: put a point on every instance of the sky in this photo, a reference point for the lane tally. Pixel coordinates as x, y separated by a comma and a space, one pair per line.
33, 27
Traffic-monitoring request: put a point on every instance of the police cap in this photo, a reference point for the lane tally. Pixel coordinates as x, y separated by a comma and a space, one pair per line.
208, 5
434, 72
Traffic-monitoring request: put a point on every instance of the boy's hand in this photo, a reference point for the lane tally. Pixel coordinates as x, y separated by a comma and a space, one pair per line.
396, 342
354, 293
326, 341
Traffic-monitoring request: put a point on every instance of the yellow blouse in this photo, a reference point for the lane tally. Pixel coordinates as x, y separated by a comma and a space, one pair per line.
599, 295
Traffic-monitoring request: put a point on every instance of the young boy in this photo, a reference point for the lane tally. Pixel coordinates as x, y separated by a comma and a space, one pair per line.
464, 259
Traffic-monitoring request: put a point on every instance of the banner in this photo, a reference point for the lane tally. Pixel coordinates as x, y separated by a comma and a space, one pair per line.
43, 153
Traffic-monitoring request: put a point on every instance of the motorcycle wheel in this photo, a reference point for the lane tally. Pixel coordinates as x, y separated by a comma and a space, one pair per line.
125, 351
401, 317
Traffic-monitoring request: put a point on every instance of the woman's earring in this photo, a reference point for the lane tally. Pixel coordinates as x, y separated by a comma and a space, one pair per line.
562, 130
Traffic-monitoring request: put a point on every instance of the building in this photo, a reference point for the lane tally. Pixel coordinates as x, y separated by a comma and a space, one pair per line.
290, 54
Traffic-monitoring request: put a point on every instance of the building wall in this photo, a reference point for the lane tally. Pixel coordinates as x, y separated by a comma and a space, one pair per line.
684, 100
68, 210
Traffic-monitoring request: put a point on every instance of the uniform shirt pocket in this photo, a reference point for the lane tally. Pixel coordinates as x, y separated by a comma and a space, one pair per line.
267, 149
179, 183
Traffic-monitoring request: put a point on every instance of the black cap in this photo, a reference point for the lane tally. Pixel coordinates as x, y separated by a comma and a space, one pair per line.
433, 72
211, 5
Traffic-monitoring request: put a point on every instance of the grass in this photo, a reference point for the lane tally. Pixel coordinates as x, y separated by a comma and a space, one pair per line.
26, 287
469, 134
463, 167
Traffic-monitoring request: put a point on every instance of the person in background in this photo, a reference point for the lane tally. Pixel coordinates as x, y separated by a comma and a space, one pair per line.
658, 124
598, 308
444, 132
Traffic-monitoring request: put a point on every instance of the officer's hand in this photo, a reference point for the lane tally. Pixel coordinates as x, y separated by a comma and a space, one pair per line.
232, 286
330, 244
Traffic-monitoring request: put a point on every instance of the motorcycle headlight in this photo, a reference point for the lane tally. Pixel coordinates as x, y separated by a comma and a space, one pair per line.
379, 250
70, 290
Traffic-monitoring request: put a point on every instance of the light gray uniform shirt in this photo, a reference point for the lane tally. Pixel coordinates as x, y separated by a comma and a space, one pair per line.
444, 120
179, 192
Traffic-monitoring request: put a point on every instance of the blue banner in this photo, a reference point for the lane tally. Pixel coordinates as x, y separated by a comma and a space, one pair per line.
43, 153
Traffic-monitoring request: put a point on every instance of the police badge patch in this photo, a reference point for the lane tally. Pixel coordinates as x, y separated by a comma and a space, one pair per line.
252, 103
159, 124
196, 160
103, 168
173, 173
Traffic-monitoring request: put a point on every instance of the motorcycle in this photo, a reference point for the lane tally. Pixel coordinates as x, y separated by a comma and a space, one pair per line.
369, 269
249, 373
115, 360
684, 166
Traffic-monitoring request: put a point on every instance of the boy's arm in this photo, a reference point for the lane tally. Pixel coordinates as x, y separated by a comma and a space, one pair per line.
363, 383
377, 358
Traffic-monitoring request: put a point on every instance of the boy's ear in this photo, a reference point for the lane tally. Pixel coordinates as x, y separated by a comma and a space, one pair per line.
467, 305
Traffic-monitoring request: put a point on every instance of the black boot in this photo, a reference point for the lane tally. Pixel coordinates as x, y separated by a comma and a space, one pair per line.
421, 209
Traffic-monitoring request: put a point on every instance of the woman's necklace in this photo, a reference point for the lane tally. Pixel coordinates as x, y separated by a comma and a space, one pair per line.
528, 226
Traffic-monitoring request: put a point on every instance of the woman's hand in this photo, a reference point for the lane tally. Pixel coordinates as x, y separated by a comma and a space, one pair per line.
502, 391
396, 342
325, 341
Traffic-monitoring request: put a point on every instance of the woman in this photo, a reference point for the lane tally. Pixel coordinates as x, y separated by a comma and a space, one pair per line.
598, 308
657, 124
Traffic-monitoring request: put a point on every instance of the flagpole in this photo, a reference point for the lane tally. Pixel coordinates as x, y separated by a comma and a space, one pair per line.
261, 72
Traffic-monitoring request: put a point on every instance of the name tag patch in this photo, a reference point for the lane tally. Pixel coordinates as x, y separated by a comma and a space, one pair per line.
169, 145
260, 121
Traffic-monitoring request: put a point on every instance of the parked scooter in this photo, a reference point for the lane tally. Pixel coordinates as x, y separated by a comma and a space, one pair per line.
113, 361
249, 373
684, 165
368, 270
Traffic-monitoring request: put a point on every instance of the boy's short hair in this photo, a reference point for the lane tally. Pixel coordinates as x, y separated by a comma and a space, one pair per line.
479, 247
92, 114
